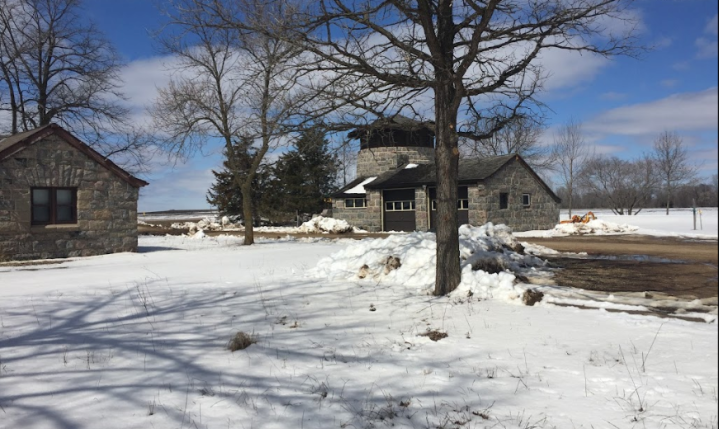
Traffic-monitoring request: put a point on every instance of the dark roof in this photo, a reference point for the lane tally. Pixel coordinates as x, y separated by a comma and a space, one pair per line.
392, 122
471, 170
17, 142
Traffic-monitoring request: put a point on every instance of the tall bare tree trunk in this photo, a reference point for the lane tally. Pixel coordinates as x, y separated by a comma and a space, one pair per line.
448, 274
446, 104
247, 212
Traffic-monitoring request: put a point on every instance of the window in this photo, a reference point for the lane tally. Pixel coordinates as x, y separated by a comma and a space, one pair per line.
503, 200
399, 206
54, 205
462, 204
526, 200
356, 203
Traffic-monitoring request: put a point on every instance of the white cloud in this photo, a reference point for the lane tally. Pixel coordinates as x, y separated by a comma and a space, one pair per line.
613, 96
712, 27
707, 47
142, 78
680, 112
669, 83
568, 69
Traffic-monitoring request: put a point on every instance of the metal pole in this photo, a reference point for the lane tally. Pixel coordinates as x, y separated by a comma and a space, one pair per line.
694, 212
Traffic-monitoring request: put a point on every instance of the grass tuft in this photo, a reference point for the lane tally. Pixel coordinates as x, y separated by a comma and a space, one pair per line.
434, 335
241, 341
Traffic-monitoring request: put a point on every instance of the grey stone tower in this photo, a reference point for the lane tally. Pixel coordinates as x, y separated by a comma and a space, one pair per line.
392, 142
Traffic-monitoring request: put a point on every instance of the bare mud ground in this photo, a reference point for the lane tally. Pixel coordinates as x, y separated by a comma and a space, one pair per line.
634, 263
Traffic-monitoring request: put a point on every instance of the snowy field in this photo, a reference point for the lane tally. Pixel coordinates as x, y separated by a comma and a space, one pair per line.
679, 223
139, 340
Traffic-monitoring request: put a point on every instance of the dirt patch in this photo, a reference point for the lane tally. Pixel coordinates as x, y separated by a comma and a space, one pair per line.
675, 267
687, 281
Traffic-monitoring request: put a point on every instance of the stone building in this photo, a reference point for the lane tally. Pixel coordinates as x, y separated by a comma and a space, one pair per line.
60, 198
395, 185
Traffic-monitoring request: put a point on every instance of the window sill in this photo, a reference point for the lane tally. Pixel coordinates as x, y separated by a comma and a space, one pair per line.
55, 228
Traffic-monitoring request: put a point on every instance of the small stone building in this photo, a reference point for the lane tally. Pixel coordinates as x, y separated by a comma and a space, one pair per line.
395, 188
60, 198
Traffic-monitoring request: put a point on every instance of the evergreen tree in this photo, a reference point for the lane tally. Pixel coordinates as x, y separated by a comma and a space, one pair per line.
225, 193
306, 175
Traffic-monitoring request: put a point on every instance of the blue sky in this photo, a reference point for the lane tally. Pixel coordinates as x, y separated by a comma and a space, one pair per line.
623, 103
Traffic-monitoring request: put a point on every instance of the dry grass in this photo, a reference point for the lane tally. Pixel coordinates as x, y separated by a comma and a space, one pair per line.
434, 335
241, 341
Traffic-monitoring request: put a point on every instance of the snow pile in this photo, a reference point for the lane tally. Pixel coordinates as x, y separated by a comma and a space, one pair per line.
489, 256
207, 224
595, 227
326, 225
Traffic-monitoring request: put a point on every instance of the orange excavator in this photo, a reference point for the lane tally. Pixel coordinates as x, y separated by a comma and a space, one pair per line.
580, 219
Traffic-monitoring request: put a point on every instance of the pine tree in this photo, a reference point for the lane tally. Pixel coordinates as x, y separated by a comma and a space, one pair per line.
306, 175
225, 193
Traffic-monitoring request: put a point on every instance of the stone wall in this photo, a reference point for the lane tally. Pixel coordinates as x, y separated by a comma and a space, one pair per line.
368, 218
515, 180
106, 205
372, 162
421, 207
477, 213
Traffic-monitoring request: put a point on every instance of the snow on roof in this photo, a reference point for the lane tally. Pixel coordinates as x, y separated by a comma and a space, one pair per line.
359, 189
408, 166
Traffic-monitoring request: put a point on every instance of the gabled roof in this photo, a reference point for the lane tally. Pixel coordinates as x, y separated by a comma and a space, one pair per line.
471, 170
11, 145
342, 193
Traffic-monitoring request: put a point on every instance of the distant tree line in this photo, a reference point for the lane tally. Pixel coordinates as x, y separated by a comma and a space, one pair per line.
701, 194
662, 178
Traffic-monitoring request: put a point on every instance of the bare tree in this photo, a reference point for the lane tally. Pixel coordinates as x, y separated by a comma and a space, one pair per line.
55, 67
672, 160
8, 64
230, 86
627, 186
522, 136
59, 69
570, 151
447, 63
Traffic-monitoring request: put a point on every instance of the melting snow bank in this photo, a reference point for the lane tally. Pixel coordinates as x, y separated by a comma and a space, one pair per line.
492, 261
317, 225
326, 225
593, 227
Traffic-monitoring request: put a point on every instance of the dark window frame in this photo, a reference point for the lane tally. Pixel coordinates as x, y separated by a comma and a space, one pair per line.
462, 204
53, 206
526, 200
399, 206
354, 205
503, 200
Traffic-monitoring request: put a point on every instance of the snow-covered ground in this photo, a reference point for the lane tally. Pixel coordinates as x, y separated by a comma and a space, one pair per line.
139, 341
679, 223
